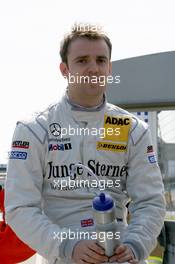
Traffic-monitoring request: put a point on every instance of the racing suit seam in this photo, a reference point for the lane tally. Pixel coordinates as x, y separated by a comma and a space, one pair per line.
135, 144
28, 127
41, 125
46, 135
132, 130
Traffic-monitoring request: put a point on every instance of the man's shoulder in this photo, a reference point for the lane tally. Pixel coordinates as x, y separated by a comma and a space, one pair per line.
42, 116
138, 127
38, 123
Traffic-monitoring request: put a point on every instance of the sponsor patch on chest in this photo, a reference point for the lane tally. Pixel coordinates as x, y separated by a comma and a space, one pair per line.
111, 146
117, 128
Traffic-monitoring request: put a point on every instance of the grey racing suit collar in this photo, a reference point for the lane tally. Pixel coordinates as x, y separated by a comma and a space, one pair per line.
77, 107
83, 114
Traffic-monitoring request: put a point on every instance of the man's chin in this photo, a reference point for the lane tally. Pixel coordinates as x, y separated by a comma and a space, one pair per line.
92, 89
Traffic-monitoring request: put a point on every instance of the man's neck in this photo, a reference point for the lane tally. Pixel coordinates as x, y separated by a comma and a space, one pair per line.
85, 102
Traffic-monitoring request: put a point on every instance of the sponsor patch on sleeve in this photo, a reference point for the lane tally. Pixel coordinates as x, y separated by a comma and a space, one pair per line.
150, 149
111, 146
20, 144
117, 128
17, 155
152, 159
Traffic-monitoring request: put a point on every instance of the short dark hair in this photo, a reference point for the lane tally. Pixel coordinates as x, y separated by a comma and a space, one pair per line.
88, 31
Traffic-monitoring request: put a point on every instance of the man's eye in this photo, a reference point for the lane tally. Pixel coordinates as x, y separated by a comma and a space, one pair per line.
101, 60
81, 61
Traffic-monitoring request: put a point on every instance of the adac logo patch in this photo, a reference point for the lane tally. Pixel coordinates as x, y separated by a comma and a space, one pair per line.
111, 147
123, 124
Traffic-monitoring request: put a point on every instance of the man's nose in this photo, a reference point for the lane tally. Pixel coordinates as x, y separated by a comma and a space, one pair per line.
93, 67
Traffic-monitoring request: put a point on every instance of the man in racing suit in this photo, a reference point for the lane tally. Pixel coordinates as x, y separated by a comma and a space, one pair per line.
45, 204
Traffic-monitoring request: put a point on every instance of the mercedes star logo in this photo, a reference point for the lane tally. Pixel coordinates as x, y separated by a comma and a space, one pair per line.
55, 129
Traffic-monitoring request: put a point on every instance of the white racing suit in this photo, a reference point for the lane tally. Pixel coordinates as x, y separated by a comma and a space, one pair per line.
41, 202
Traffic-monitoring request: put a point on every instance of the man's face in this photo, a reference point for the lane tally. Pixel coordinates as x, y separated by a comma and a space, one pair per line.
88, 65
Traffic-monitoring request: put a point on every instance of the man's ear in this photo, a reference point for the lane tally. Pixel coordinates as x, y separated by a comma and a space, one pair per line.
64, 69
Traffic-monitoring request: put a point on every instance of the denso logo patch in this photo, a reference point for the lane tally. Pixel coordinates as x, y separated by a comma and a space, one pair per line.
111, 147
122, 123
60, 147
